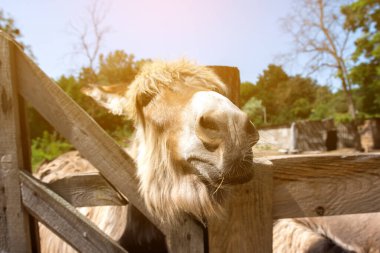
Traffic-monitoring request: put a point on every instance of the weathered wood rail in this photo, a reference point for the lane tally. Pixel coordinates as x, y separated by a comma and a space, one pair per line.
298, 186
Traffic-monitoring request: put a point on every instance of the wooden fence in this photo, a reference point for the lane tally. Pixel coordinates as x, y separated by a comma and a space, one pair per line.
300, 186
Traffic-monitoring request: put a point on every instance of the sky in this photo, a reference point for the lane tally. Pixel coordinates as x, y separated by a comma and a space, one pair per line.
242, 33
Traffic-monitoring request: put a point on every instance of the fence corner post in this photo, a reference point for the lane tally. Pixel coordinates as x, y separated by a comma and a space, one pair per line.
248, 225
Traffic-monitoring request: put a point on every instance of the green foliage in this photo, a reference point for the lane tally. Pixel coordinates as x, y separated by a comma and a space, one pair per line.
284, 98
117, 67
330, 105
7, 25
47, 147
37, 124
105, 119
247, 90
268, 86
323, 105
295, 99
363, 16
255, 111
269, 82
289, 98
342, 118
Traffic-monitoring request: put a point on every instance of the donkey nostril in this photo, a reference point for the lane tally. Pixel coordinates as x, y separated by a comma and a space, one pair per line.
208, 130
208, 123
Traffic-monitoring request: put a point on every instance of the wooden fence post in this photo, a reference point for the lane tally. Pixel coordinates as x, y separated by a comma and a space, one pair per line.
248, 224
14, 221
231, 77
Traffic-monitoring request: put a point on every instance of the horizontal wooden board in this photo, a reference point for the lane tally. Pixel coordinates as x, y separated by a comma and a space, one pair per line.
63, 219
319, 185
88, 189
304, 186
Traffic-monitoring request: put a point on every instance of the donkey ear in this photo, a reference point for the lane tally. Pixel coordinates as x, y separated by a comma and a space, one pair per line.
111, 97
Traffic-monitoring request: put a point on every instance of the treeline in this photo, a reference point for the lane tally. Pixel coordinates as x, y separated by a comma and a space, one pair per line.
278, 98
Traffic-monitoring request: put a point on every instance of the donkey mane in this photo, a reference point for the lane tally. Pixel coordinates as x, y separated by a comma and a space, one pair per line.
167, 189
155, 76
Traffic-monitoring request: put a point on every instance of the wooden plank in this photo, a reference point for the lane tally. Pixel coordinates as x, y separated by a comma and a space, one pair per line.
247, 226
27, 165
183, 239
59, 216
87, 189
84, 133
318, 185
14, 223
231, 77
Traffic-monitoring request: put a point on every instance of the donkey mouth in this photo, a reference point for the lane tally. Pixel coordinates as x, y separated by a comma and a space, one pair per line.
239, 173
239, 179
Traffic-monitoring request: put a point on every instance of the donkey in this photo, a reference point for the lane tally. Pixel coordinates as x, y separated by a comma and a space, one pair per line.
190, 144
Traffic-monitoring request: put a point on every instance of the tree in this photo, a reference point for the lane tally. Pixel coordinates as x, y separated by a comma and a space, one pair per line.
296, 98
247, 90
364, 16
279, 98
7, 25
118, 67
91, 33
255, 111
322, 107
318, 32
267, 89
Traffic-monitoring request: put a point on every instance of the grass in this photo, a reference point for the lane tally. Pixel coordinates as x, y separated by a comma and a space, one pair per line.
48, 147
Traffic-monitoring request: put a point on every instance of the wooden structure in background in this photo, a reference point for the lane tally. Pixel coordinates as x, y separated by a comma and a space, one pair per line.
299, 186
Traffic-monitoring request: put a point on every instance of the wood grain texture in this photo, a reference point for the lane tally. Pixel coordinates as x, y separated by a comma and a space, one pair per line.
14, 222
87, 137
319, 185
181, 240
231, 77
247, 226
88, 189
63, 219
